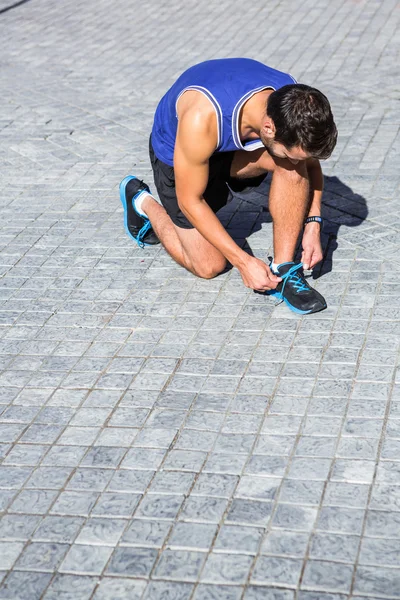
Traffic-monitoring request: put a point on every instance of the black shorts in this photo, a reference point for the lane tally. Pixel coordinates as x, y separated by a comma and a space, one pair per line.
217, 193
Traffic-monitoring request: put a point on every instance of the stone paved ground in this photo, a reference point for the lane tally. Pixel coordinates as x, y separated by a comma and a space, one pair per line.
164, 437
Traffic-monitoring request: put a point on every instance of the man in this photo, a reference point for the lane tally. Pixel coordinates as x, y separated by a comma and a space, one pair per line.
230, 121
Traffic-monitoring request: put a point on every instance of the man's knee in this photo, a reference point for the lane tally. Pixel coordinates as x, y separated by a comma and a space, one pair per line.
293, 173
209, 270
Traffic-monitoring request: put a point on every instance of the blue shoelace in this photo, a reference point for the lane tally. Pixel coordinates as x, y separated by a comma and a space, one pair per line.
142, 232
292, 275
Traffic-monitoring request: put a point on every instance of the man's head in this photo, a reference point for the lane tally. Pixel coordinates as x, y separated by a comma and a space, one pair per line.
299, 117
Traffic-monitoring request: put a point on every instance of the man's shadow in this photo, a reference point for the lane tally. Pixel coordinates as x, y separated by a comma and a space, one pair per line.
248, 211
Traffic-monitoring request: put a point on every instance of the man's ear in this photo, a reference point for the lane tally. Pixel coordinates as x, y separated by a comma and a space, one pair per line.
268, 128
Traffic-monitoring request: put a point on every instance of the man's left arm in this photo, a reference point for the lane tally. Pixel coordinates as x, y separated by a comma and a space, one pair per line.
312, 249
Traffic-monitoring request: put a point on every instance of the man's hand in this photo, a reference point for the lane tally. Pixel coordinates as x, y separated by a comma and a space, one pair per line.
312, 250
257, 275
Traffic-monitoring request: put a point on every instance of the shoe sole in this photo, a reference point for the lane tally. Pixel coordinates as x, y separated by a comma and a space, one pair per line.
122, 196
293, 308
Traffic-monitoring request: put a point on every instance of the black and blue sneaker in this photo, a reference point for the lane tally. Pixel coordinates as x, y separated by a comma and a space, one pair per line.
294, 290
137, 225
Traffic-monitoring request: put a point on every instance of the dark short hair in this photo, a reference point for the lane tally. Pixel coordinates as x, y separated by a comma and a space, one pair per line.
302, 117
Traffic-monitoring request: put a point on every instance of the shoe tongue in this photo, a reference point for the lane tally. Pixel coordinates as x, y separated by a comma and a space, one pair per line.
283, 268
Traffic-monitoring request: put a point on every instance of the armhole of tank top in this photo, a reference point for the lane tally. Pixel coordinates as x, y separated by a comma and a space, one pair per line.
236, 112
214, 103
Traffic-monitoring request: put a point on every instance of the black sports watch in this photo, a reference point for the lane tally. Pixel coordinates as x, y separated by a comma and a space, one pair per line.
314, 220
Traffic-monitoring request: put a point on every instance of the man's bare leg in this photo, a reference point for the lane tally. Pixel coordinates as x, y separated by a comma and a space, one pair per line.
288, 197
186, 246
288, 204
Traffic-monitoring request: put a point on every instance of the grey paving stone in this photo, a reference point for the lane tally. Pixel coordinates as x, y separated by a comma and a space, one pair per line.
58, 529
25, 454
86, 559
155, 438
19, 585
379, 552
105, 532
68, 587
49, 477
103, 457
13, 477
286, 543
341, 520
273, 466
358, 448
267, 593
160, 506
321, 596
78, 436
113, 504
204, 509
89, 479
132, 562
214, 592
346, 494
327, 576
119, 589
226, 568
275, 444
9, 553
385, 496
235, 538
146, 533
249, 512
74, 503
321, 447
168, 590
129, 480
299, 518
258, 488
36, 502
64, 455
382, 524
197, 536
277, 571
196, 440
377, 581
332, 547
172, 482
17, 527
42, 556
180, 565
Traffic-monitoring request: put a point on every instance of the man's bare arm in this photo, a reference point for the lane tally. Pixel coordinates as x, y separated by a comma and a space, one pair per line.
312, 250
316, 180
195, 143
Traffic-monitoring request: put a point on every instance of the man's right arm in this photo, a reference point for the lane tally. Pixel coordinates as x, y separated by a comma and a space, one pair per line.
196, 141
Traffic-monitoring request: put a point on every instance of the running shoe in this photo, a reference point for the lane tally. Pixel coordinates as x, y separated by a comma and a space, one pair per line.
137, 225
294, 290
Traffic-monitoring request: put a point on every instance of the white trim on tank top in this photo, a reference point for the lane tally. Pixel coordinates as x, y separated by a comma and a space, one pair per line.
214, 103
235, 121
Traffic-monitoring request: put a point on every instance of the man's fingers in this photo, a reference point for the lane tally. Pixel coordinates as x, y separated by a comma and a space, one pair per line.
315, 260
273, 277
306, 259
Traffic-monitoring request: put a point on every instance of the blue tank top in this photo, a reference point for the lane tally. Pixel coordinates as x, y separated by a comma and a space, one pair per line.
228, 83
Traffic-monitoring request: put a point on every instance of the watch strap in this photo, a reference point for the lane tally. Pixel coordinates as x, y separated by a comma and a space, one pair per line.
314, 220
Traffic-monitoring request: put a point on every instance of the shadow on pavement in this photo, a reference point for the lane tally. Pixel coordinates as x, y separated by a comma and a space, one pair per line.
248, 210
11, 6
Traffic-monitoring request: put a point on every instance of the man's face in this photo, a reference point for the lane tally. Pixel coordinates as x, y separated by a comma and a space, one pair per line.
294, 155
